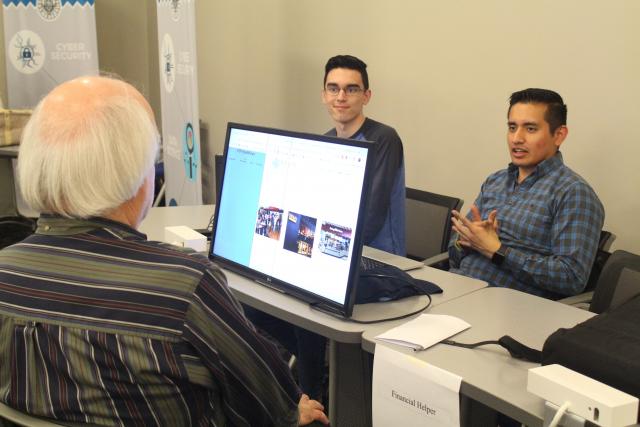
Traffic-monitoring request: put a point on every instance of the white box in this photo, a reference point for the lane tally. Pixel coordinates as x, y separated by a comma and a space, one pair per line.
588, 398
181, 235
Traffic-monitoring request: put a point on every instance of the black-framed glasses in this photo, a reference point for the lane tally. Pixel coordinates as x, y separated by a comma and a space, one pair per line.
349, 90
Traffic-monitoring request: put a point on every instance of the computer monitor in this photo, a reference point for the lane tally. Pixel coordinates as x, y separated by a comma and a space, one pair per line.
290, 212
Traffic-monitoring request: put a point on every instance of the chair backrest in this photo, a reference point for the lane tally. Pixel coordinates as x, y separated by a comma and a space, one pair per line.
14, 229
219, 166
428, 222
618, 282
20, 418
606, 239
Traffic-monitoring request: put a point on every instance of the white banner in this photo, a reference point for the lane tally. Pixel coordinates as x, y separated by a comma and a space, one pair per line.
179, 97
47, 42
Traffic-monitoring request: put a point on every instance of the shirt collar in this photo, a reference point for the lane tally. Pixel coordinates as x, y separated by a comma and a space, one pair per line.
360, 132
543, 168
55, 225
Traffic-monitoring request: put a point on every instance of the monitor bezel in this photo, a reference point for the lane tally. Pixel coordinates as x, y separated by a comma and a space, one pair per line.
345, 309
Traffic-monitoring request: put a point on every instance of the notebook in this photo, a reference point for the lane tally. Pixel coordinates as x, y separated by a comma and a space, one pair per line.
290, 212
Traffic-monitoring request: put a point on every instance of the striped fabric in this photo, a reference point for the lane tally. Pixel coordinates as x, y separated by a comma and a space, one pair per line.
100, 326
550, 225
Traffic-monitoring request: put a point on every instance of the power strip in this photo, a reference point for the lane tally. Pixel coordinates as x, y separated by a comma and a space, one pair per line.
588, 398
567, 420
181, 235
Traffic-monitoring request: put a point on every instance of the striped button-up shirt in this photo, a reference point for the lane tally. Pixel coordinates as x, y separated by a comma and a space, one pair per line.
549, 226
100, 326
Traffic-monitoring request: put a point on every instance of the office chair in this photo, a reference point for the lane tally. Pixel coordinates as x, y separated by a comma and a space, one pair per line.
606, 239
9, 417
583, 300
219, 169
618, 282
428, 225
14, 229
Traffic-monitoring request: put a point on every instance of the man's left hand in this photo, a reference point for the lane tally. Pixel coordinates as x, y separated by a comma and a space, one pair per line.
476, 233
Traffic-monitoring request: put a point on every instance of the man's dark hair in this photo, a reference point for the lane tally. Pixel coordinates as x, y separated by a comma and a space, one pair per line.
349, 62
556, 114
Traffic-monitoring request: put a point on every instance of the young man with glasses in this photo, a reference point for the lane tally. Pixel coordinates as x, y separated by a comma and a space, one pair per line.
345, 93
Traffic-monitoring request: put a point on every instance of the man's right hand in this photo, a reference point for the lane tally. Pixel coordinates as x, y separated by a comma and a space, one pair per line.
311, 410
476, 233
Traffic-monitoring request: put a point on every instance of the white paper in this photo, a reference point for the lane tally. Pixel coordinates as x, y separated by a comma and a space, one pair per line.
424, 331
408, 392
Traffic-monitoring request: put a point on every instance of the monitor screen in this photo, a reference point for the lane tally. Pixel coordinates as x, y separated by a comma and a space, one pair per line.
290, 212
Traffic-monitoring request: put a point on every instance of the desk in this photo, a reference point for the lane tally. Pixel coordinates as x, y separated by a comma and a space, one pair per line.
490, 375
14, 204
10, 151
349, 386
8, 204
160, 217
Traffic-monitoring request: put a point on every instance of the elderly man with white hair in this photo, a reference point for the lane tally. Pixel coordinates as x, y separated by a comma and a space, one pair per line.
100, 326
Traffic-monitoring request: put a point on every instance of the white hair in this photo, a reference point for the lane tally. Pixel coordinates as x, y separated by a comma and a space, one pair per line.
89, 165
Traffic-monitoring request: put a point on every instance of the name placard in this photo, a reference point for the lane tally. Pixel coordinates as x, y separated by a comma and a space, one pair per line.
409, 392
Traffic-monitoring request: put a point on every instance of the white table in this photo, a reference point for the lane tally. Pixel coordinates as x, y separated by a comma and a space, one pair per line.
8, 203
349, 386
490, 375
10, 151
196, 217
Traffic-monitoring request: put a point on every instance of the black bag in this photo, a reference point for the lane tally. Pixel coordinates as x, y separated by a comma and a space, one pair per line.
389, 283
605, 348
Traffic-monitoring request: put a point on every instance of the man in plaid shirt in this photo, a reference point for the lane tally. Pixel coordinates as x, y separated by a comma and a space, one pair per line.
534, 226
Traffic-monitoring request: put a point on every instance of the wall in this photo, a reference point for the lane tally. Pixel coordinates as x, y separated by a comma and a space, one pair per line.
127, 45
441, 73
3, 69
127, 34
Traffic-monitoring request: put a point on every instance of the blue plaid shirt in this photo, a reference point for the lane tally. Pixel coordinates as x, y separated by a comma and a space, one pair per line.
549, 225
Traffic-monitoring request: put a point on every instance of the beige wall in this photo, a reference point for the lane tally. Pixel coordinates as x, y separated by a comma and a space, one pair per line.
3, 70
441, 73
127, 34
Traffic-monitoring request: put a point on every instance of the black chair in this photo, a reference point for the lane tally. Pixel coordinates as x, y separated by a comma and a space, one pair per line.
606, 239
219, 169
13, 229
583, 300
428, 225
618, 282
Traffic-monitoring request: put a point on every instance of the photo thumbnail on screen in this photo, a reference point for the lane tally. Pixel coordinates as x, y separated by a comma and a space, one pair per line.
300, 234
335, 240
269, 222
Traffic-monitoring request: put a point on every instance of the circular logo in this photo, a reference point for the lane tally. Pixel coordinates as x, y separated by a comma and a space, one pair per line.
168, 63
175, 6
190, 153
49, 9
26, 52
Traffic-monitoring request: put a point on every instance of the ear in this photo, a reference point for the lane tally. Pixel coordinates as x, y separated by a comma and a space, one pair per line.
560, 135
367, 96
323, 96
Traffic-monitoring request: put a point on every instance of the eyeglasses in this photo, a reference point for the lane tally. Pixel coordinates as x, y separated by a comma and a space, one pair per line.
350, 90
